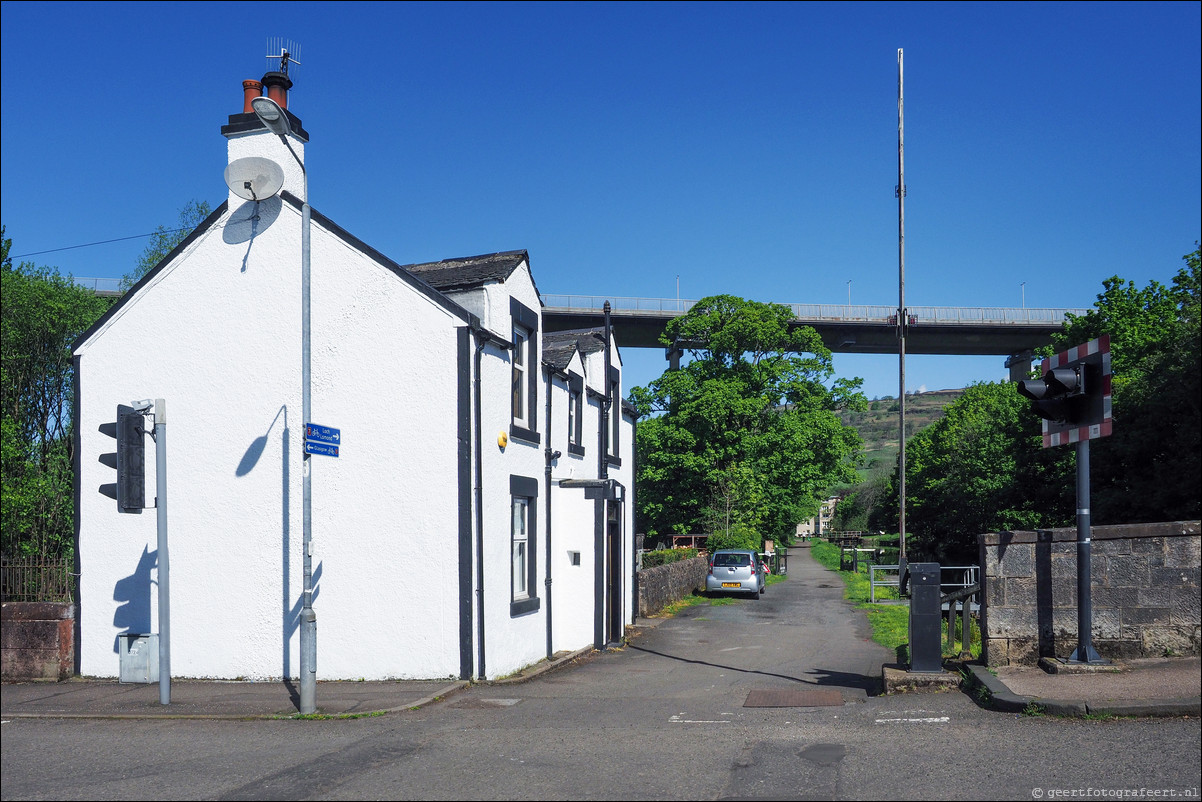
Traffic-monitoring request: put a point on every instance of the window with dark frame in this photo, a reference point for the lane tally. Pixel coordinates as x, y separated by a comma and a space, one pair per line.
615, 416
521, 542
524, 389
521, 341
575, 414
523, 491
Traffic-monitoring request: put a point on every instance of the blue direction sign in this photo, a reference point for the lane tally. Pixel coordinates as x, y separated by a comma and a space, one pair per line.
323, 434
324, 440
324, 449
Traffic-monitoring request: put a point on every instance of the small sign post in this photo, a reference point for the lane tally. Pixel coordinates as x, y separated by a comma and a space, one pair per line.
323, 440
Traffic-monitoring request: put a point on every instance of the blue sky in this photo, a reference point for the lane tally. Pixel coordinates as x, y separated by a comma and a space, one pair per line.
738, 148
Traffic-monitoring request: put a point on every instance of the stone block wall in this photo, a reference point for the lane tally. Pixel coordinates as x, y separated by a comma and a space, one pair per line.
664, 584
37, 640
1145, 592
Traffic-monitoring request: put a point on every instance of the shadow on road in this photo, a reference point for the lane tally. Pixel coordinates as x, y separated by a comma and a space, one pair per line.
822, 677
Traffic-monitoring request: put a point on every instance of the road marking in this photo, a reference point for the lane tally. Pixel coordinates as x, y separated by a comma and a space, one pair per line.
676, 719
931, 720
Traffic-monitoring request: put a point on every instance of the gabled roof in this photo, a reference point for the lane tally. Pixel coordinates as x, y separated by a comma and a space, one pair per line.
414, 281
558, 346
469, 271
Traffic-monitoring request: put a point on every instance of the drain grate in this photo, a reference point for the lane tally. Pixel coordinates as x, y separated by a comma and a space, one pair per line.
816, 697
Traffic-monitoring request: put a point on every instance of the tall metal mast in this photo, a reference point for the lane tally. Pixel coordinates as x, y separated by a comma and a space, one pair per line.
902, 321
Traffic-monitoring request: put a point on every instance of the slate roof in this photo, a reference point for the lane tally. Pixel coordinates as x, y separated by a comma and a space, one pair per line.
469, 271
558, 346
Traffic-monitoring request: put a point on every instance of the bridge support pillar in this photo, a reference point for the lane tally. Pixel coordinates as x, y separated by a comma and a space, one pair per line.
1020, 365
673, 352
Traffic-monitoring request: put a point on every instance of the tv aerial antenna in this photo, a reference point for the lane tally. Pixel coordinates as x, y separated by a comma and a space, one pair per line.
281, 53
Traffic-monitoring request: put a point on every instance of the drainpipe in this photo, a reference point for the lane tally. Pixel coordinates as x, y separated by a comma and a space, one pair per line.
551, 456
606, 405
481, 341
483, 338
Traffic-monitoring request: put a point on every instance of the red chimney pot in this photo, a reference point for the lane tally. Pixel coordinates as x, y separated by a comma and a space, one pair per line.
250, 91
277, 85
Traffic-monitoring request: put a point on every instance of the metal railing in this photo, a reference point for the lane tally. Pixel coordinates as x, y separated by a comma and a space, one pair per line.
891, 578
35, 579
971, 315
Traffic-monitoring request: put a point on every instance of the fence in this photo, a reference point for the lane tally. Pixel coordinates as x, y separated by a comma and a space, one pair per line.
35, 579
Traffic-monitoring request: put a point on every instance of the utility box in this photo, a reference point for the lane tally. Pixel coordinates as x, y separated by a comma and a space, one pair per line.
139, 658
926, 646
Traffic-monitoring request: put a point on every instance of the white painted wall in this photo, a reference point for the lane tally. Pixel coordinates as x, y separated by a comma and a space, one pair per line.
513, 642
573, 525
216, 333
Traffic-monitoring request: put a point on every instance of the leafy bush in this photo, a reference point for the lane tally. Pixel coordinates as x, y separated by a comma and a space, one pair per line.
666, 556
738, 536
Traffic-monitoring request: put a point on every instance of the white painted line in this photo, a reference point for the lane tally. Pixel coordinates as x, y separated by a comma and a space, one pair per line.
678, 720
932, 720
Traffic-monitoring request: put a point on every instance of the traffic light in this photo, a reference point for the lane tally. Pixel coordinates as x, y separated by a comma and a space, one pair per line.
1059, 396
131, 459
1073, 396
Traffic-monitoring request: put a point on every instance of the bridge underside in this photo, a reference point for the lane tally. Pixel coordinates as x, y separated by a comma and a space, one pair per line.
640, 330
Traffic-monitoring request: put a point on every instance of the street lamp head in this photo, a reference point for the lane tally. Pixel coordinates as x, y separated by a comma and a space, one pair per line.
271, 115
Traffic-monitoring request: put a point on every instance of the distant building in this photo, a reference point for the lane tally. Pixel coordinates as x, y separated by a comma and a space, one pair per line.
821, 523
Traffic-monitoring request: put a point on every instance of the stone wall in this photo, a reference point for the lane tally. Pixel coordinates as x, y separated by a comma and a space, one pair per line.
37, 640
664, 584
1145, 592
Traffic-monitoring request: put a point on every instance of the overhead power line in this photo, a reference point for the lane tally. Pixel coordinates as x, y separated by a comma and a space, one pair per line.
101, 242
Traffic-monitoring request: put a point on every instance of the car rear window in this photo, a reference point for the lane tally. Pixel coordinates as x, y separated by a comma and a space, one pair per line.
732, 559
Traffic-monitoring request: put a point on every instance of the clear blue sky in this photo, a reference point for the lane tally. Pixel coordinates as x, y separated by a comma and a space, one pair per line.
744, 148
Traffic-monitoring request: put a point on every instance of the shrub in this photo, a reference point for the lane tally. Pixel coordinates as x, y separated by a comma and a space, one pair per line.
738, 536
666, 556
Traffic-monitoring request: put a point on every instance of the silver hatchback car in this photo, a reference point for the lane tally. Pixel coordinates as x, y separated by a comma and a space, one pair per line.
736, 571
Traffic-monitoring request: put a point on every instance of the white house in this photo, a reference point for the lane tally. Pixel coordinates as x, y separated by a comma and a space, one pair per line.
461, 531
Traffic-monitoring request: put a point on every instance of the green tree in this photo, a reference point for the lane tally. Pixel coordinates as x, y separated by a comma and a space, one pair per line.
1149, 469
746, 437
42, 314
980, 468
164, 240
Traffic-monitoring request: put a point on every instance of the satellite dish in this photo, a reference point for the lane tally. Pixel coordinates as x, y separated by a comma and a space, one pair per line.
254, 178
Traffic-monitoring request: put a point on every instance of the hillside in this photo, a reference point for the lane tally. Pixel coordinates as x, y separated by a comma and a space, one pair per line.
878, 425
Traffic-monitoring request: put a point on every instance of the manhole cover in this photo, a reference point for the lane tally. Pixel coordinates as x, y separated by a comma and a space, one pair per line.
816, 697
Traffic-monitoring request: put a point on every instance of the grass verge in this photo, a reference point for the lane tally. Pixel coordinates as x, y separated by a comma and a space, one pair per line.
890, 622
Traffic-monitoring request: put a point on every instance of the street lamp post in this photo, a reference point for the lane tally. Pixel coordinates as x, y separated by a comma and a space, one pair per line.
276, 121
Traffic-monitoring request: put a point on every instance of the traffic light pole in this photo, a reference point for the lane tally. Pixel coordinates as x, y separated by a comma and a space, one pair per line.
160, 503
1085, 652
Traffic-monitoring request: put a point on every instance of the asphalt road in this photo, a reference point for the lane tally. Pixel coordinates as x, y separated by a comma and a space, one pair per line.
664, 717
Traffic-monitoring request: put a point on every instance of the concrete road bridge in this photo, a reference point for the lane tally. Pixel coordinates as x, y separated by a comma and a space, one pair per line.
844, 328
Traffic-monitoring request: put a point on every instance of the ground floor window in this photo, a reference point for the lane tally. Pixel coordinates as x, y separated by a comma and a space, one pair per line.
521, 542
523, 536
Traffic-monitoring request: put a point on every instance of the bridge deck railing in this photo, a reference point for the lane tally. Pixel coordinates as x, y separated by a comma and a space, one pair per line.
843, 312
833, 312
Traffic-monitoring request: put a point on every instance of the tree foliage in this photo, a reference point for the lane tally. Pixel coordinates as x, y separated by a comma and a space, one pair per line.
980, 468
745, 438
41, 316
1149, 469
164, 240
